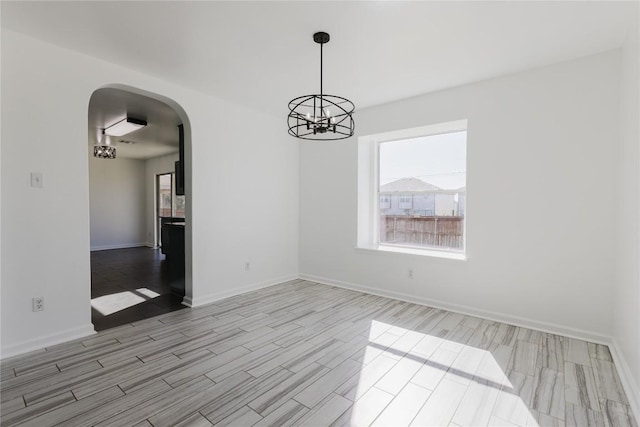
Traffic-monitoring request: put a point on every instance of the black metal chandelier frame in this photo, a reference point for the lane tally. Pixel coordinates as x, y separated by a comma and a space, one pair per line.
310, 116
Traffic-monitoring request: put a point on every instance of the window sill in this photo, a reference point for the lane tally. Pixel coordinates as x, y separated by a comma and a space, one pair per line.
381, 249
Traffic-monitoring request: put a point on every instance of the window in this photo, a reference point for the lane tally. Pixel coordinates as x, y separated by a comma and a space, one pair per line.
164, 195
406, 202
424, 169
169, 204
385, 202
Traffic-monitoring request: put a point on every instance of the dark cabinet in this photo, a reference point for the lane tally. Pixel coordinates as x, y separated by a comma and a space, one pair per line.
164, 232
174, 250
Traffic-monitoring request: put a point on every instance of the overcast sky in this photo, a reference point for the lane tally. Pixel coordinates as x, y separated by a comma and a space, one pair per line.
439, 160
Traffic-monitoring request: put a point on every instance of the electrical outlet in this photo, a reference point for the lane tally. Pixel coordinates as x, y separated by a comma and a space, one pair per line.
247, 266
410, 274
37, 304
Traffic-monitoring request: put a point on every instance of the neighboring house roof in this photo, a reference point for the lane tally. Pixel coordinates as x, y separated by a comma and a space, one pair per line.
415, 185
409, 185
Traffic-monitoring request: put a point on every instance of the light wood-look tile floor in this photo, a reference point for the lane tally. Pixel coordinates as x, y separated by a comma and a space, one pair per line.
301, 353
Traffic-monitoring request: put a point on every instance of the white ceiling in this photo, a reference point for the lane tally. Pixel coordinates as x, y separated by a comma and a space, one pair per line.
262, 54
108, 106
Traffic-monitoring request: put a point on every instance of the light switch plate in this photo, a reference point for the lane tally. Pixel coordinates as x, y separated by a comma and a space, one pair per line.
36, 179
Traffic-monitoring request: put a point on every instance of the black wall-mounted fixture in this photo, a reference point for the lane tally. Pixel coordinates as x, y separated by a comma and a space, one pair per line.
179, 165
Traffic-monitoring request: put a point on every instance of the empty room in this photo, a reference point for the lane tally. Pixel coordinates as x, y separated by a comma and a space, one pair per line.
320, 213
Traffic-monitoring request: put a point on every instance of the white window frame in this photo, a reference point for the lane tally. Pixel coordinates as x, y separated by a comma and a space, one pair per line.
368, 230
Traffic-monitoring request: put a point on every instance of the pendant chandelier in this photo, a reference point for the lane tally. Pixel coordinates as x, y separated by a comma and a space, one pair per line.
104, 150
321, 117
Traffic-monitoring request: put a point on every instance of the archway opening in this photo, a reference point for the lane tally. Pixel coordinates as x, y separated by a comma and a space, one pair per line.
139, 146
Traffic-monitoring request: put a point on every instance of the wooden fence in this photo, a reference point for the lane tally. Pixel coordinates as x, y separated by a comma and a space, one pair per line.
433, 231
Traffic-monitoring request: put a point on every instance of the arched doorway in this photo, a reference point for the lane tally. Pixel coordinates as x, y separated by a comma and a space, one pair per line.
139, 170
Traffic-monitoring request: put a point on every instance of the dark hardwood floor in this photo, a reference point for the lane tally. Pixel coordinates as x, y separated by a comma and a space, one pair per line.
128, 285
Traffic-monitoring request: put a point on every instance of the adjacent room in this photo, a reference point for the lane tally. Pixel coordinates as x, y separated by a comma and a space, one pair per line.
136, 207
320, 213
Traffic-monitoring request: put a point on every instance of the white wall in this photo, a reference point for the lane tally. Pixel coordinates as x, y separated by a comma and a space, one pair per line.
153, 167
117, 196
626, 308
537, 141
45, 250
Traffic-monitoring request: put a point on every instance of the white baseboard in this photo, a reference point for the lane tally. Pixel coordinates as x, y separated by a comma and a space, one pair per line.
47, 341
207, 299
469, 311
631, 387
121, 246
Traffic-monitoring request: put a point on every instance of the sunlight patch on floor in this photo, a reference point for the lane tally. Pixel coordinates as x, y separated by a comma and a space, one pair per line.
445, 381
109, 304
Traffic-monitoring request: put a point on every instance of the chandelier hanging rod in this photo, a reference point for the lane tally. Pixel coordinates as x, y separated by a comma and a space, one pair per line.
321, 38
